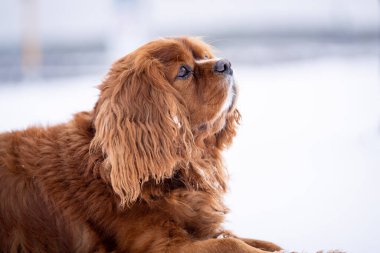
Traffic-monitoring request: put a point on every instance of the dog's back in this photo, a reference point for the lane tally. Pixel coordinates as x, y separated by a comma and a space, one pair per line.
29, 222
25, 217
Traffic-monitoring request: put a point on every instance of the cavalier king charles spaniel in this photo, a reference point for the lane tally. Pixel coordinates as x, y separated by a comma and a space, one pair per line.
140, 173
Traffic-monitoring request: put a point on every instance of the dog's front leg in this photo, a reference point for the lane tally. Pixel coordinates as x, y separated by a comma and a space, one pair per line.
224, 245
260, 244
264, 245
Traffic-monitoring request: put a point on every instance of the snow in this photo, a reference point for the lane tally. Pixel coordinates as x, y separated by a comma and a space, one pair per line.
305, 164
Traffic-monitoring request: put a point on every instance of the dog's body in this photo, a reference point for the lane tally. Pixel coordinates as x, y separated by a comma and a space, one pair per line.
142, 174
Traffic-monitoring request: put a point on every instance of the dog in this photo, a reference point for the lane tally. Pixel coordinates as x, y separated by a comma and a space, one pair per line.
141, 172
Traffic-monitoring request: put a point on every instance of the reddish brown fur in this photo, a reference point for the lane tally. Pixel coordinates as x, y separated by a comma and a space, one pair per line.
142, 172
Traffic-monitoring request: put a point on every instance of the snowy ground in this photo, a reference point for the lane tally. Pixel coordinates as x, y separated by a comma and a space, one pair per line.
305, 167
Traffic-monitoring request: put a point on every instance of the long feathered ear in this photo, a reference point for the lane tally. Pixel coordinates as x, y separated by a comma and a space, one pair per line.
140, 126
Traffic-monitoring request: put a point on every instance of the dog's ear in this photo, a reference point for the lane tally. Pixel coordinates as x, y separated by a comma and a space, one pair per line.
140, 125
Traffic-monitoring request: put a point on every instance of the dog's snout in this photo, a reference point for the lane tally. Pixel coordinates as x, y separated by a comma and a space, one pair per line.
223, 66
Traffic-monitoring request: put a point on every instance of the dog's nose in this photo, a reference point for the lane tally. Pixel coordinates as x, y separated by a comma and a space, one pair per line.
223, 66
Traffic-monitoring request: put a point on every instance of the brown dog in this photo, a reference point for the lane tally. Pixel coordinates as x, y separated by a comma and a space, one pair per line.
142, 172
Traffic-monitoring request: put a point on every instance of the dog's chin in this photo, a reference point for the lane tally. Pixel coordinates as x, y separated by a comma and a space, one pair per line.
230, 100
219, 121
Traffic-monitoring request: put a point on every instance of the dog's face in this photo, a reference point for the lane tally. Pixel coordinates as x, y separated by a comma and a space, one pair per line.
204, 82
162, 105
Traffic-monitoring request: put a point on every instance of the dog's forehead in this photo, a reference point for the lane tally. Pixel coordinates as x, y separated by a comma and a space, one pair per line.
180, 49
197, 48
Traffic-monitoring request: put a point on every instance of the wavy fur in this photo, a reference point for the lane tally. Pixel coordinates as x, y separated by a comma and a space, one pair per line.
141, 172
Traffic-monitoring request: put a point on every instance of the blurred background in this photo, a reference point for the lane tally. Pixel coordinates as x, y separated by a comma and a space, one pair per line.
305, 166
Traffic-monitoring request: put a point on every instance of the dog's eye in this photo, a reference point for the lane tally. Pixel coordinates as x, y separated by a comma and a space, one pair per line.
184, 72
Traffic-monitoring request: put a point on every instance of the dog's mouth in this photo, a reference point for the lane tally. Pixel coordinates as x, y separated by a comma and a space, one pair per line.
227, 107
230, 101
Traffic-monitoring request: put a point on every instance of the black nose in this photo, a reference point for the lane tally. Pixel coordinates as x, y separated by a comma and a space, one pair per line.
223, 66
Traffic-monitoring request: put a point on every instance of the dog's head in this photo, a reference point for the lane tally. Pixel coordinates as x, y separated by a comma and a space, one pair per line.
158, 107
